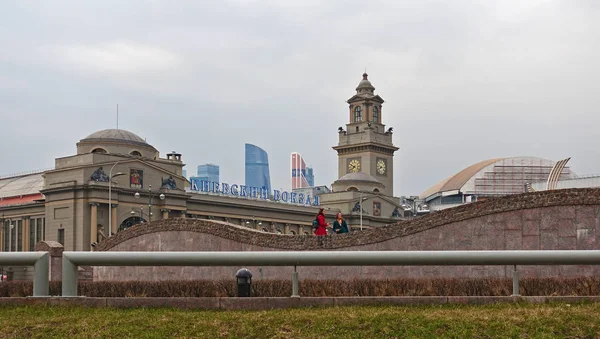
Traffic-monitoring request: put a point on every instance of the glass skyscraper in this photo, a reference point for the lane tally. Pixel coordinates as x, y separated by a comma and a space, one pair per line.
207, 172
257, 168
310, 177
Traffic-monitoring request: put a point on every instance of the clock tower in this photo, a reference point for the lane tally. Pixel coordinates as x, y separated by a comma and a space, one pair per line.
366, 146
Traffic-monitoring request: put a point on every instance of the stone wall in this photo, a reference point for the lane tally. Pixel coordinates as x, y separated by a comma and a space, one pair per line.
551, 220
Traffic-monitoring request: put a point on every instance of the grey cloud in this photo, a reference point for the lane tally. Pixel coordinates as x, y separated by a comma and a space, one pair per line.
463, 80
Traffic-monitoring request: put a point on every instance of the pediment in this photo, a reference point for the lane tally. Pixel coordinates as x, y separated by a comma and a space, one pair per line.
359, 97
138, 169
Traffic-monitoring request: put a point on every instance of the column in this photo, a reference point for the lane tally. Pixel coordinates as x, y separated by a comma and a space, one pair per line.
2, 230
94, 222
183, 214
25, 241
286, 229
114, 218
165, 213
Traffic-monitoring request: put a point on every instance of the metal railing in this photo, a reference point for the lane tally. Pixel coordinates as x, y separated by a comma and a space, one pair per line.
322, 258
41, 265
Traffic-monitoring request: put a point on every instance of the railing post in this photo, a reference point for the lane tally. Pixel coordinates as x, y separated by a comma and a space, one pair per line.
515, 282
69, 277
41, 284
295, 284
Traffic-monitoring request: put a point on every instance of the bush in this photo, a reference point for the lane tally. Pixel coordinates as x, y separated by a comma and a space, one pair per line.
581, 286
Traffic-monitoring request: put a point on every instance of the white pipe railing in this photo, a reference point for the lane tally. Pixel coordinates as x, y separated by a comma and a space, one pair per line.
41, 266
321, 258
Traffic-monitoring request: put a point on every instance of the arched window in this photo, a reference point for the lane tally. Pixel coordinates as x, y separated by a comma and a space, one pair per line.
99, 150
376, 190
357, 114
265, 230
375, 114
352, 189
136, 153
292, 232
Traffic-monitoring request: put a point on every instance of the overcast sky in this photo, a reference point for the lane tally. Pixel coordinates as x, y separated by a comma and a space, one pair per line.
463, 81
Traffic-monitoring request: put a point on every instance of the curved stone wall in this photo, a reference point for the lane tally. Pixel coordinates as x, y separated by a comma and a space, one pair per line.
560, 219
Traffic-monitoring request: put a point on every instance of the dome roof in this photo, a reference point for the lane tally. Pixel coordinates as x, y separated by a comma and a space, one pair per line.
358, 176
116, 135
365, 84
502, 172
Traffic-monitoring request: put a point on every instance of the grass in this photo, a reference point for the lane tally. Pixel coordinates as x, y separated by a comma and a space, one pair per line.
454, 321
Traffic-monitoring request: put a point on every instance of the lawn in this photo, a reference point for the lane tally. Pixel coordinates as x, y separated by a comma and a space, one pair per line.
457, 321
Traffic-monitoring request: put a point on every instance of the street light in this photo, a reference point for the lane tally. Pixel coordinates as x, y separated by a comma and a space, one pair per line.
361, 199
110, 182
151, 195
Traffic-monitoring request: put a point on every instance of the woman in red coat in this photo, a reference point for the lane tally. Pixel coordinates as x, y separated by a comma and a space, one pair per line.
322, 225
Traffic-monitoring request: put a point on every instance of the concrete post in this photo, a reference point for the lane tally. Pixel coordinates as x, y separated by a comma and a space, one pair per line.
41, 286
94, 222
515, 282
165, 213
113, 216
2, 230
69, 278
25, 234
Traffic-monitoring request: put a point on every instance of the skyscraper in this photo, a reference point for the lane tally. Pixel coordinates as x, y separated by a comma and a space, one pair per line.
310, 177
299, 172
208, 172
257, 168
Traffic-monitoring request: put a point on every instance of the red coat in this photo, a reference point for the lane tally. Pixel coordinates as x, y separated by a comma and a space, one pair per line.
322, 229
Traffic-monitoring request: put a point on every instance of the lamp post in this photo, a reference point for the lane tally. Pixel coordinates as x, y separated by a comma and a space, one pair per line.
361, 199
254, 223
151, 195
110, 182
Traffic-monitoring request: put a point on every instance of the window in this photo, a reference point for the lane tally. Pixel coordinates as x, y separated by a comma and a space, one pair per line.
375, 114
376, 190
352, 189
136, 154
61, 236
36, 232
99, 150
19, 237
357, 114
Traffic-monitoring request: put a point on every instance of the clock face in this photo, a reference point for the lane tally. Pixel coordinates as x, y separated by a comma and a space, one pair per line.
381, 167
354, 166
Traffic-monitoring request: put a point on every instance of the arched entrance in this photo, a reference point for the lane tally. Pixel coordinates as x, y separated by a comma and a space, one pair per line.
130, 222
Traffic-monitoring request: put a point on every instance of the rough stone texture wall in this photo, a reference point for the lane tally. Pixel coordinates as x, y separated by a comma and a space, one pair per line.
551, 220
55, 250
